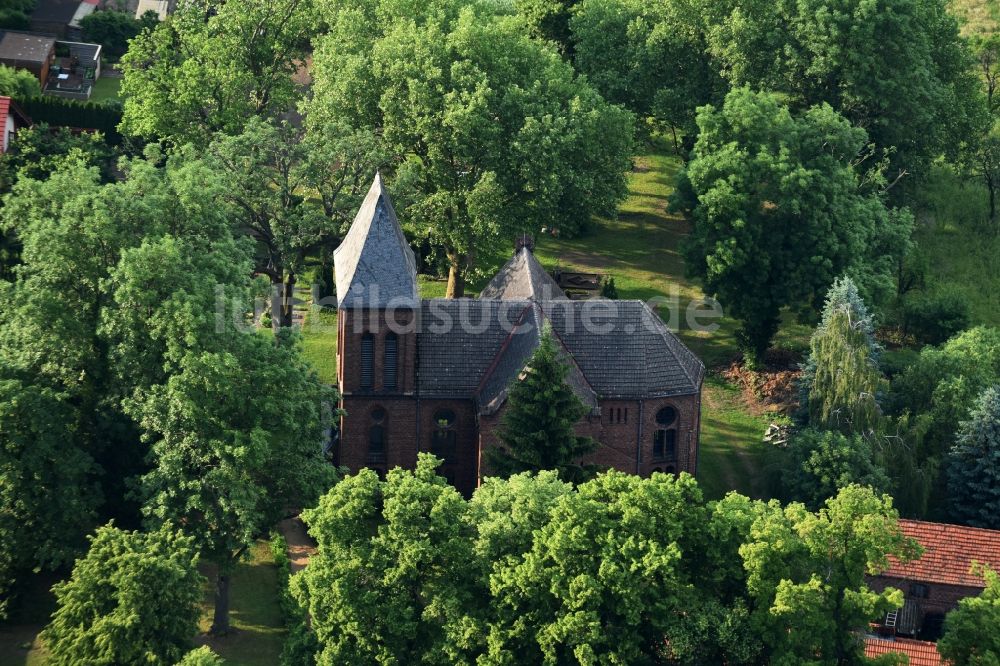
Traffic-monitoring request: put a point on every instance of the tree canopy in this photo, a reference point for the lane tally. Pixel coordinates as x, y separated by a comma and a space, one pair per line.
212, 65
969, 637
135, 598
18, 83
624, 569
974, 464
493, 133
897, 68
779, 212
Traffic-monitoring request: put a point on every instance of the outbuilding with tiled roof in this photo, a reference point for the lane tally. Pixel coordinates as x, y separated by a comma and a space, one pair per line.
944, 574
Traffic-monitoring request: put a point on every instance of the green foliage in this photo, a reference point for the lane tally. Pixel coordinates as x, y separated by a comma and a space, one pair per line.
132, 300
608, 288
202, 656
549, 20
16, 14
490, 126
113, 29
970, 637
537, 427
213, 65
649, 57
779, 212
822, 462
48, 499
940, 388
841, 381
897, 68
806, 574
59, 112
400, 552
133, 599
620, 570
18, 83
294, 194
974, 464
934, 317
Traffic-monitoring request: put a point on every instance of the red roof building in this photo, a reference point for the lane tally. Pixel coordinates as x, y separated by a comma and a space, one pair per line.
934, 583
919, 653
12, 118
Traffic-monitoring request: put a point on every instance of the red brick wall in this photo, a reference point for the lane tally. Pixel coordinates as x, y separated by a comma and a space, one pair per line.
941, 599
400, 433
618, 434
462, 470
352, 325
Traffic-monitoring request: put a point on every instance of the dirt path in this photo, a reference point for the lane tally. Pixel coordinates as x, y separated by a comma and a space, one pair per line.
300, 545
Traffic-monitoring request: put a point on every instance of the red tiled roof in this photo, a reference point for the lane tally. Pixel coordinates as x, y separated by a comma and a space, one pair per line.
949, 551
920, 653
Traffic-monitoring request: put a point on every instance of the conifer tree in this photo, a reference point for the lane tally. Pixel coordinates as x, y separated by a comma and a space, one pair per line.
841, 380
974, 464
537, 429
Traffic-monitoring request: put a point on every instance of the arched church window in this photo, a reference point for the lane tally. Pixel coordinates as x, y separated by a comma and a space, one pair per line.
376, 436
367, 360
665, 435
389, 369
444, 437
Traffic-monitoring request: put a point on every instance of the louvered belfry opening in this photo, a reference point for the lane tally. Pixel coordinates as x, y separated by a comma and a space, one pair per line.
390, 368
367, 360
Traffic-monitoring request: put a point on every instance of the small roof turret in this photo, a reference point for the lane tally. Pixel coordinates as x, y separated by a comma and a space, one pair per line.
523, 278
374, 265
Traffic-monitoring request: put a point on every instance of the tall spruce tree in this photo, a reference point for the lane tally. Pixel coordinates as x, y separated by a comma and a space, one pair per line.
537, 429
841, 380
974, 464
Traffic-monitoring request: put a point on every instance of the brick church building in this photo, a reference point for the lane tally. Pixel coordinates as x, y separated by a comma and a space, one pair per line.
432, 375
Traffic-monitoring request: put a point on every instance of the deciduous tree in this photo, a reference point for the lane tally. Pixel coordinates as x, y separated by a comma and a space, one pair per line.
969, 636
821, 463
493, 132
806, 574
213, 65
135, 598
779, 212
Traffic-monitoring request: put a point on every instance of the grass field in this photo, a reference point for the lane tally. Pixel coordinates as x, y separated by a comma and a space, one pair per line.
256, 617
641, 250
978, 17
105, 88
961, 247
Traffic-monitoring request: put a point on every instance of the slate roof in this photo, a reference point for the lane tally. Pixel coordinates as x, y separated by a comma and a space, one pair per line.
474, 348
514, 355
523, 278
375, 253
631, 355
55, 11
24, 47
949, 551
919, 653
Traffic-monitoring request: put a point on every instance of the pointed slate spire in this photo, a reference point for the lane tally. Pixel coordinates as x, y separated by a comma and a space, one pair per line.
374, 265
522, 278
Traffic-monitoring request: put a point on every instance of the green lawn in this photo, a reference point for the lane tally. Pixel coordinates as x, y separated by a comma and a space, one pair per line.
732, 455
977, 17
960, 245
641, 250
105, 88
255, 614
319, 343
256, 617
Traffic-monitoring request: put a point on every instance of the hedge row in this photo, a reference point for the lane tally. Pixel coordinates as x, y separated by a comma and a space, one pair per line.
60, 112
